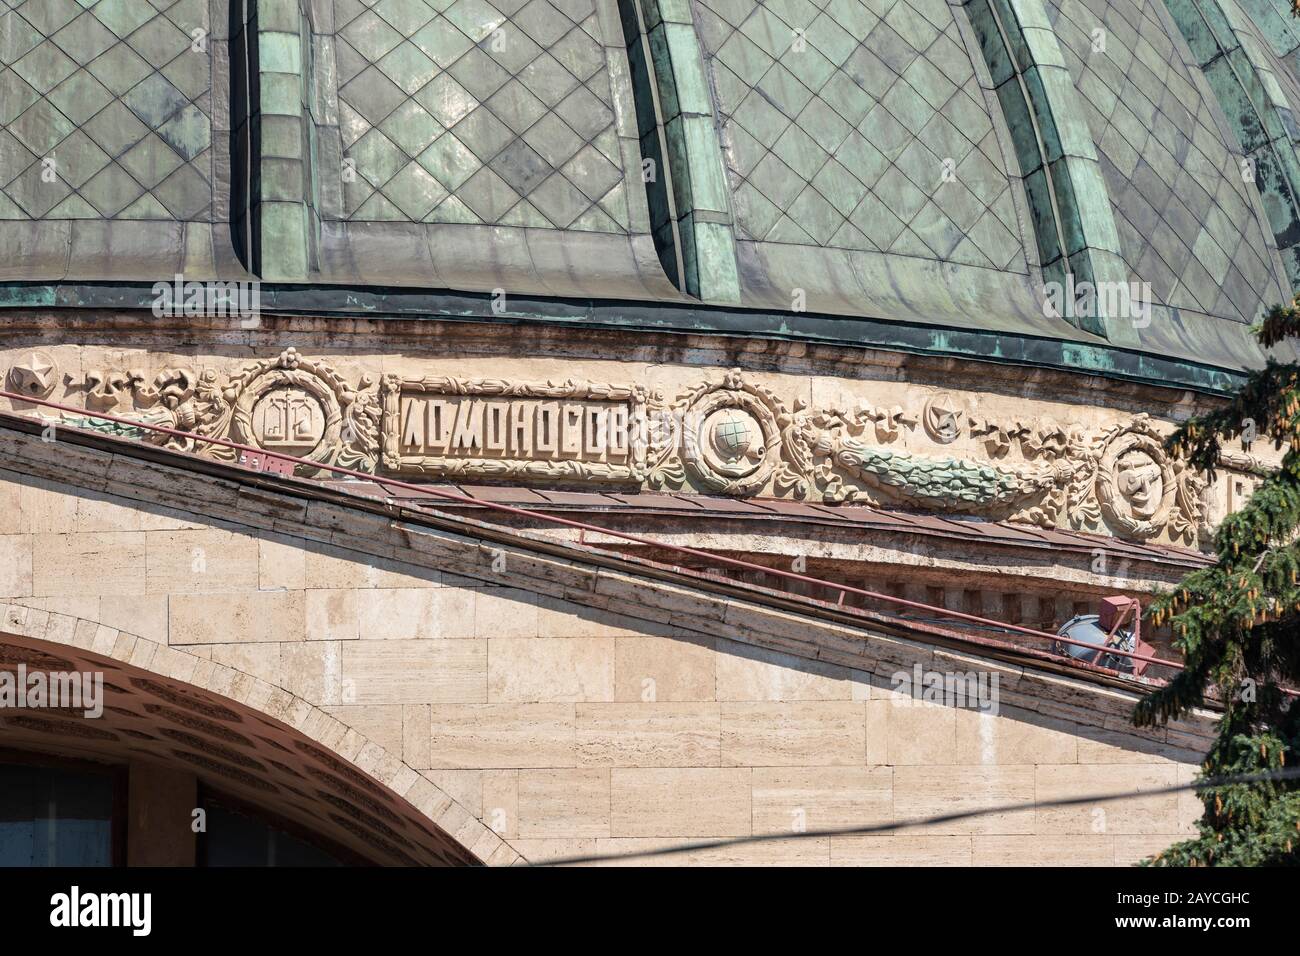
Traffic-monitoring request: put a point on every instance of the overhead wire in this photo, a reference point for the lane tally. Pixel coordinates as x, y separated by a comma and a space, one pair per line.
1289, 773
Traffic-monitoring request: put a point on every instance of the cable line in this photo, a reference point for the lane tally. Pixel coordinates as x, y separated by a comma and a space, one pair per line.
1290, 773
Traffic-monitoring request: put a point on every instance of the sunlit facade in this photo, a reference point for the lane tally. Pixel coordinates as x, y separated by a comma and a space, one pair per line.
496, 431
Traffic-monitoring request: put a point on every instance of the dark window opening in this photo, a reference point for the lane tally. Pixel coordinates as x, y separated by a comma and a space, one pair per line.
236, 835
60, 814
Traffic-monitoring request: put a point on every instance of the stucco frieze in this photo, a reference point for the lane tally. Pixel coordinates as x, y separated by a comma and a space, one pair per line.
935, 450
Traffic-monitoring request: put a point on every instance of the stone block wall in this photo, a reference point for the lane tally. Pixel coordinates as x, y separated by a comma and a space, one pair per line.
574, 731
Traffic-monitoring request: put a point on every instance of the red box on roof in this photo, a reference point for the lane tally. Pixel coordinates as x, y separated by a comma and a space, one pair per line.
1113, 608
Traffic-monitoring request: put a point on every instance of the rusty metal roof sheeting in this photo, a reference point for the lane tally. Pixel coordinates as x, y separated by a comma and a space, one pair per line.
862, 517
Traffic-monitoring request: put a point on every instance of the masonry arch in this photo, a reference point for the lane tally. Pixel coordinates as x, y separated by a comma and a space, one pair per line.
257, 744
569, 702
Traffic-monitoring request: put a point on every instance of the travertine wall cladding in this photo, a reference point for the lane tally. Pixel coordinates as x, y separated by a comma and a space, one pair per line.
569, 730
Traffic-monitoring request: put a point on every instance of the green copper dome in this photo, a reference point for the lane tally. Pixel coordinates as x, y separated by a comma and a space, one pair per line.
931, 164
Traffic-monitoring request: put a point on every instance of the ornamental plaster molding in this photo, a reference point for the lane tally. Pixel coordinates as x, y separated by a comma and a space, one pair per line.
725, 435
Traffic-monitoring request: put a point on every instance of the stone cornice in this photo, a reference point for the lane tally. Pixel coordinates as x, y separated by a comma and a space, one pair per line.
1008, 346
474, 333
159, 478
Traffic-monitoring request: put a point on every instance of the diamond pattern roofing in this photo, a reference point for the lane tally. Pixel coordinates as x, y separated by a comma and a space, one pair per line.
106, 110
479, 112
860, 126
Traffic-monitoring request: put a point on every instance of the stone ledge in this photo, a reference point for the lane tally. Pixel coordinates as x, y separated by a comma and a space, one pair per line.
365, 530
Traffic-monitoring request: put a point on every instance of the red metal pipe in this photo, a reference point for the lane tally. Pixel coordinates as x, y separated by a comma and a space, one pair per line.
583, 527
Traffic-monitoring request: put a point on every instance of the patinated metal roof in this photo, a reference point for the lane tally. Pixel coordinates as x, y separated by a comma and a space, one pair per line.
909, 161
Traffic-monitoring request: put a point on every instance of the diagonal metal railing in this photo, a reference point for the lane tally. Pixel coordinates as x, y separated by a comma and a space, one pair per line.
425, 491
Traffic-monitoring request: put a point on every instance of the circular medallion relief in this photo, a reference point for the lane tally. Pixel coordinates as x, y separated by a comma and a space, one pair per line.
1136, 484
733, 442
288, 410
730, 442
1139, 483
942, 416
36, 375
288, 420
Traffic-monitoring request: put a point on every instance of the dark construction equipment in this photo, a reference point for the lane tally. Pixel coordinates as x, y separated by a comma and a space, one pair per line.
1098, 632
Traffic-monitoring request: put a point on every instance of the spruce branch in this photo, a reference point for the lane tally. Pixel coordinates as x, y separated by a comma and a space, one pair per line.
1237, 626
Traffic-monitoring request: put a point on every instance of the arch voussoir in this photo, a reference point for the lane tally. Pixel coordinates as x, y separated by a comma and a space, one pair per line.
37, 627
